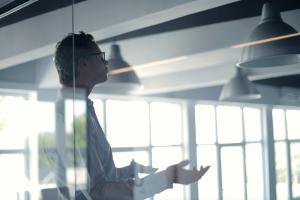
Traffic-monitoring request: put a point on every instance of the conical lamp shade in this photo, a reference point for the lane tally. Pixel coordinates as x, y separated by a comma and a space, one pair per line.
239, 88
115, 63
271, 53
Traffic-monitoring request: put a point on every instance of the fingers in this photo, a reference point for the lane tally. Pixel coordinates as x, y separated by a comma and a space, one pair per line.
203, 170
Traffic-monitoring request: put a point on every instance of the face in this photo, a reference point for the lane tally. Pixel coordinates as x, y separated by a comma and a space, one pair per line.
92, 68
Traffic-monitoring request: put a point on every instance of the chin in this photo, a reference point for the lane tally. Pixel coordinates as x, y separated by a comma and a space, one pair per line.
102, 80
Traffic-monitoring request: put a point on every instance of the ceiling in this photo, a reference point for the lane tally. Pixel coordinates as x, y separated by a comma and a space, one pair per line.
36, 8
228, 12
197, 34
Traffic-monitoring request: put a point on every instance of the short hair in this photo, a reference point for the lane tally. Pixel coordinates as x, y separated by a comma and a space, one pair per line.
63, 56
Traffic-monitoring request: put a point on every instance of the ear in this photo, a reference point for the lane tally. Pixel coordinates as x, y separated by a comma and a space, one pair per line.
82, 63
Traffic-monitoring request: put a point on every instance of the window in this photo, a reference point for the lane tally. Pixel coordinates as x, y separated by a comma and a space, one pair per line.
148, 132
127, 123
229, 138
287, 156
14, 146
166, 124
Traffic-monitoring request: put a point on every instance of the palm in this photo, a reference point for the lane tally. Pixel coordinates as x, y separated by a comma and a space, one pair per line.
185, 176
189, 176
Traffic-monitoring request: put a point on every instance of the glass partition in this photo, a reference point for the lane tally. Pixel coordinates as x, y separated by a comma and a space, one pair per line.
126, 99
42, 128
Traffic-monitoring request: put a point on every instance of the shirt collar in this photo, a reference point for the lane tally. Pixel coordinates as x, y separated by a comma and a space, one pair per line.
89, 102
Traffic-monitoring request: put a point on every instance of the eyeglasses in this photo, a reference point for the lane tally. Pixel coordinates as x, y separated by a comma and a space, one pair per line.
101, 54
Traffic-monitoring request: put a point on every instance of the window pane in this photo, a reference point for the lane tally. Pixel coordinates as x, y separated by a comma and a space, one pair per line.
293, 125
206, 155
13, 126
229, 120
254, 163
232, 173
163, 157
123, 159
295, 158
205, 124
73, 108
46, 142
252, 123
46, 114
75, 120
281, 171
166, 123
12, 173
47, 162
127, 123
278, 124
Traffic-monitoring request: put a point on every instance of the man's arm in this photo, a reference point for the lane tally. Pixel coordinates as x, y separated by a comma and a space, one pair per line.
148, 186
132, 170
131, 189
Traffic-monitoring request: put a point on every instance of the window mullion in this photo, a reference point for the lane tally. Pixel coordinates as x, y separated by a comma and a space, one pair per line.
244, 155
190, 146
218, 154
288, 160
269, 154
150, 148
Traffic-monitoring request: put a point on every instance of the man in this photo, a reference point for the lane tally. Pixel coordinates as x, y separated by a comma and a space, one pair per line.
107, 181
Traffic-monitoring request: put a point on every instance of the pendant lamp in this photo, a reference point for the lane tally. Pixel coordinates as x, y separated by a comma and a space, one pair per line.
239, 88
272, 43
117, 63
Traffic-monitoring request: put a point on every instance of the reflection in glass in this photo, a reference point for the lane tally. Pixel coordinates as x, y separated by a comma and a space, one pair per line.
127, 123
281, 171
205, 124
295, 165
166, 123
278, 124
232, 173
293, 125
252, 124
76, 152
206, 155
46, 142
229, 120
254, 163
73, 108
163, 157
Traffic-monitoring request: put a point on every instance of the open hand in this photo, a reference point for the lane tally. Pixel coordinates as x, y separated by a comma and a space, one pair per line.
177, 174
139, 168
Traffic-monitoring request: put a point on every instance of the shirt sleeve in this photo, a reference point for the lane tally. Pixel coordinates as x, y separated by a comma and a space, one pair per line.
130, 189
126, 172
100, 187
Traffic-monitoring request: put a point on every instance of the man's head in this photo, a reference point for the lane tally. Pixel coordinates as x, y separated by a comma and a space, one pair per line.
89, 62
